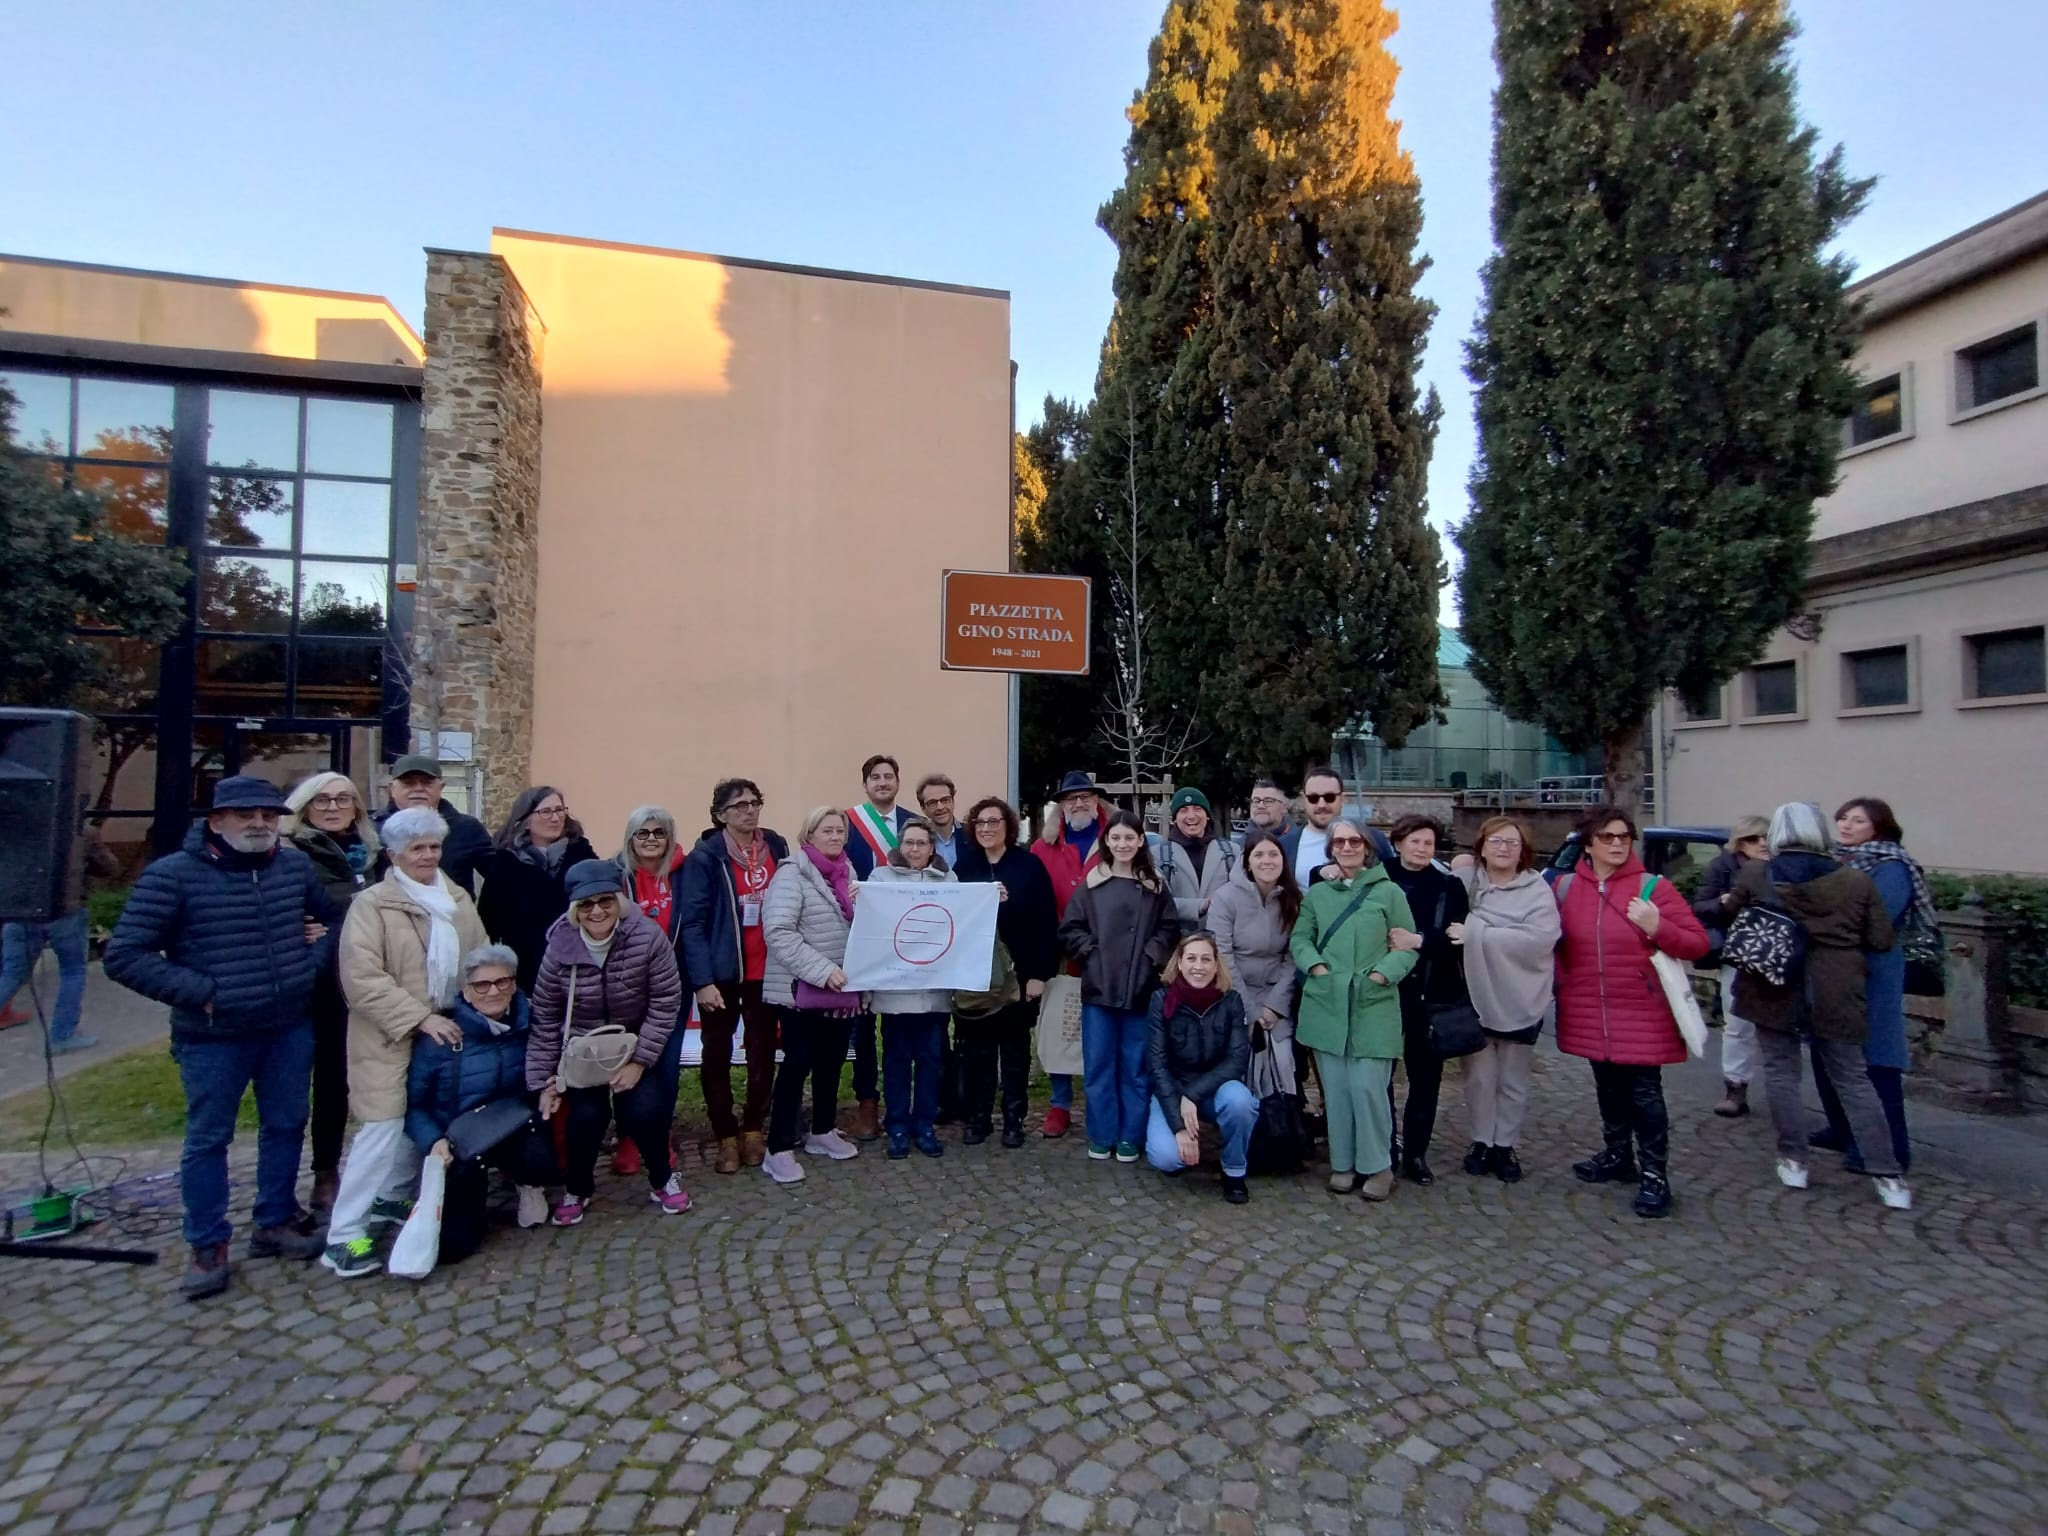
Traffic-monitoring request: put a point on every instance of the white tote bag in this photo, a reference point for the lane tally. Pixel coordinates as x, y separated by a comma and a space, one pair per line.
1059, 1027
1676, 977
419, 1240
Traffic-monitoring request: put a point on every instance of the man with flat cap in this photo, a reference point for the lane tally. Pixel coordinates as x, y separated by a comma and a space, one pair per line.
417, 780
231, 931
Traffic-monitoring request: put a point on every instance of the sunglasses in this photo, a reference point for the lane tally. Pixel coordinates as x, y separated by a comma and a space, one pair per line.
1614, 837
1347, 842
1320, 799
650, 835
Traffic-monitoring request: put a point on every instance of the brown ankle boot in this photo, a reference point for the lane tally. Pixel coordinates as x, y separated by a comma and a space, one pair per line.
1736, 1102
325, 1187
728, 1154
867, 1121
753, 1149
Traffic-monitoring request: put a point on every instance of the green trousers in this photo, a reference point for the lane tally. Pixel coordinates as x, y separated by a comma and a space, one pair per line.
1355, 1103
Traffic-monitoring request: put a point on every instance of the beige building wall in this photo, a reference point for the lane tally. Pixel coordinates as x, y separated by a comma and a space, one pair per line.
751, 479
158, 309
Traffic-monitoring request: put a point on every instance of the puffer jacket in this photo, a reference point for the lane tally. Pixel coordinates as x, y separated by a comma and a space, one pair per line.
805, 929
710, 947
935, 1000
446, 1082
637, 988
1610, 1005
384, 976
1191, 892
1344, 1011
1121, 932
1845, 920
1191, 1054
1251, 938
204, 926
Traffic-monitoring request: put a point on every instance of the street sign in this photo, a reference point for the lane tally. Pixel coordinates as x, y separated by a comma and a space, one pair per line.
995, 621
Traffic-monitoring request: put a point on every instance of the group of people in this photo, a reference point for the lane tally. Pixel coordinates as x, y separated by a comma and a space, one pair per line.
504, 1001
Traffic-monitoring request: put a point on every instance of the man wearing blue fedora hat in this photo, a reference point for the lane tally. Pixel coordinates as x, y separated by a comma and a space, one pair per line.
231, 931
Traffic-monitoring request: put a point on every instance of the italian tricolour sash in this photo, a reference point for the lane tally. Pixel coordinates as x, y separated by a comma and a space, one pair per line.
876, 830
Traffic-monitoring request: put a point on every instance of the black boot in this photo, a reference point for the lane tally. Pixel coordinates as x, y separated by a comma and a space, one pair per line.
1653, 1145
1478, 1158
1613, 1164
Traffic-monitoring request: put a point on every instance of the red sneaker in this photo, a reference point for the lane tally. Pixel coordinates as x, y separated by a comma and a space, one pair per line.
11, 1016
1057, 1122
625, 1158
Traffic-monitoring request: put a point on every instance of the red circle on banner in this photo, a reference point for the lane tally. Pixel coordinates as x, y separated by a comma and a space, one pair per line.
924, 934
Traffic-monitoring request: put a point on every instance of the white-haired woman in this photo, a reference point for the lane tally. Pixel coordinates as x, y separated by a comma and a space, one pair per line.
328, 821
401, 968
1845, 920
650, 865
806, 918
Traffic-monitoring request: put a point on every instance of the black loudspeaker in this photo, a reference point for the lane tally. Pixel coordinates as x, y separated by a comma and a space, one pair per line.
43, 758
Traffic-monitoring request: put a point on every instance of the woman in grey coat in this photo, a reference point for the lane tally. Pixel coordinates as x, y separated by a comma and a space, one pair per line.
913, 1023
1252, 918
1510, 941
806, 918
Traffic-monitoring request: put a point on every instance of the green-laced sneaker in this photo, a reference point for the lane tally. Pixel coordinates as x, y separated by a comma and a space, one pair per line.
353, 1259
389, 1213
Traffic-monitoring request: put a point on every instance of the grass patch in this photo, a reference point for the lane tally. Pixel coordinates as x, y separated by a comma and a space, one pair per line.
130, 1101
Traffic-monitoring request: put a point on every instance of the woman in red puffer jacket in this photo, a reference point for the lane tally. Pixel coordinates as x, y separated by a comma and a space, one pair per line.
1610, 1005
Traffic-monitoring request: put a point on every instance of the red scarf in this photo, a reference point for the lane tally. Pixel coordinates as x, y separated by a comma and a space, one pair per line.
656, 894
1181, 995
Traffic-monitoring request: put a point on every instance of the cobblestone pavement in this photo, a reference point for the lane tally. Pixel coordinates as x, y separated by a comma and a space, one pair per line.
1028, 1341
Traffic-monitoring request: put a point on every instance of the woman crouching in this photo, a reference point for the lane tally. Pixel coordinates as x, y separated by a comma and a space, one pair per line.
1197, 1055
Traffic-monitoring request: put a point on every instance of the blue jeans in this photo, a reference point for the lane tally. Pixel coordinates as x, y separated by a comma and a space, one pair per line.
1113, 1057
216, 1073
21, 943
1062, 1094
911, 1047
1232, 1109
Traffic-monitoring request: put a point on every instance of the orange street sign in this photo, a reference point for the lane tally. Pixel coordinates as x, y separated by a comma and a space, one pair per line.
998, 622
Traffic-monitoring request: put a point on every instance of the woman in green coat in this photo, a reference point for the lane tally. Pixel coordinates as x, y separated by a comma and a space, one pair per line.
1350, 1011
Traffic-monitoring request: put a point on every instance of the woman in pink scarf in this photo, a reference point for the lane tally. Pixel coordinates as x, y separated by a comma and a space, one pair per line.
805, 919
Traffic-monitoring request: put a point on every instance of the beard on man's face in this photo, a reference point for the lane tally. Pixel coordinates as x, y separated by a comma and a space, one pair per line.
1079, 816
251, 839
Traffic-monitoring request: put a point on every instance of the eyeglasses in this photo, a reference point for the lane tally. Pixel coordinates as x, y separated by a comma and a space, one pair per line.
1503, 842
551, 810
333, 802
742, 805
936, 799
1269, 799
986, 822
650, 835
1614, 837
501, 984
1319, 799
1347, 842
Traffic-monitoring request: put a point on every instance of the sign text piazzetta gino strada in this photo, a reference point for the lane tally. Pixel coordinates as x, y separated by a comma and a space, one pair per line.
1001, 622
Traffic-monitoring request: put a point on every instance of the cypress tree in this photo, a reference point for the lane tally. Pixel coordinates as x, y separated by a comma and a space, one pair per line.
1661, 360
1326, 571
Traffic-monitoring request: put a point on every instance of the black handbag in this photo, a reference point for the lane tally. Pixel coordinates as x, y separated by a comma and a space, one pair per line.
1280, 1141
1455, 1030
1767, 943
489, 1125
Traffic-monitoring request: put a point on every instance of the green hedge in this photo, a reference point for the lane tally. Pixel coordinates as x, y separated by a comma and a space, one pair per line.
103, 908
2024, 900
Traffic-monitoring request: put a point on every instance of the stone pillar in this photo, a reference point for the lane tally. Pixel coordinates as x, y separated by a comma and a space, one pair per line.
479, 554
1975, 1065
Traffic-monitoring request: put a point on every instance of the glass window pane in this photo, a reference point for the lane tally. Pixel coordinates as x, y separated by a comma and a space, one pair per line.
337, 599
244, 512
121, 420
126, 684
283, 759
42, 411
248, 430
346, 517
2011, 663
123, 773
209, 762
348, 437
341, 680
245, 595
241, 677
1776, 689
2006, 365
134, 499
1877, 679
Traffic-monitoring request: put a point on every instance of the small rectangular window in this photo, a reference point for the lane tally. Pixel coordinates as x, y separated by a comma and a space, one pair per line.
42, 411
1774, 689
1706, 712
1880, 412
1998, 369
2008, 663
1880, 678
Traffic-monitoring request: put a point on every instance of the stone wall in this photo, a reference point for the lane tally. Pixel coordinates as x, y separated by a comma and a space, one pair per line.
473, 628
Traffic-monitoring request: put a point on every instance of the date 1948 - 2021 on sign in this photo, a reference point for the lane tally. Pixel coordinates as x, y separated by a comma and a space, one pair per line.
999, 622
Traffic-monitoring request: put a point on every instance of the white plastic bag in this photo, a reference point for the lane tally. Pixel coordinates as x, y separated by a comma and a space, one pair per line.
1059, 1026
419, 1240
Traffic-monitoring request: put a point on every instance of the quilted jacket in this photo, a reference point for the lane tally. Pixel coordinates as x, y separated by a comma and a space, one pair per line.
203, 927
446, 1081
1610, 1005
806, 931
637, 987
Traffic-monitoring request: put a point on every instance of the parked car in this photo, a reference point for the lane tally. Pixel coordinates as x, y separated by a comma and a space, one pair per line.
1679, 854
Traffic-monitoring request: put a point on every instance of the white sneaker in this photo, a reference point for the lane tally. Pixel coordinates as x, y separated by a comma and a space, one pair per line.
832, 1145
783, 1168
1791, 1173
533, 1206
1895, 1194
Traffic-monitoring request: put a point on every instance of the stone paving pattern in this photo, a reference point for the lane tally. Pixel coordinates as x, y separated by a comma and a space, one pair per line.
1002, 1342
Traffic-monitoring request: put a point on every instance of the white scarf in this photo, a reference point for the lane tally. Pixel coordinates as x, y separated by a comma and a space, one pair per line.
444, 950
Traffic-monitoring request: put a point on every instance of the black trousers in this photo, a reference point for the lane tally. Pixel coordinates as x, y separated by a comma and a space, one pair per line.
996, 1050
328, 1009
525, 1158
1632, 1108
1425, 1072
813, 1052
644, 1112
867, 1082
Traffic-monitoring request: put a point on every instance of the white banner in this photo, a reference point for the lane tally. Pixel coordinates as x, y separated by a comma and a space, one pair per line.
907, 937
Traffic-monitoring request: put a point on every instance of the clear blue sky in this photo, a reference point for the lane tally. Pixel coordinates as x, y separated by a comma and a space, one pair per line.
325, 145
